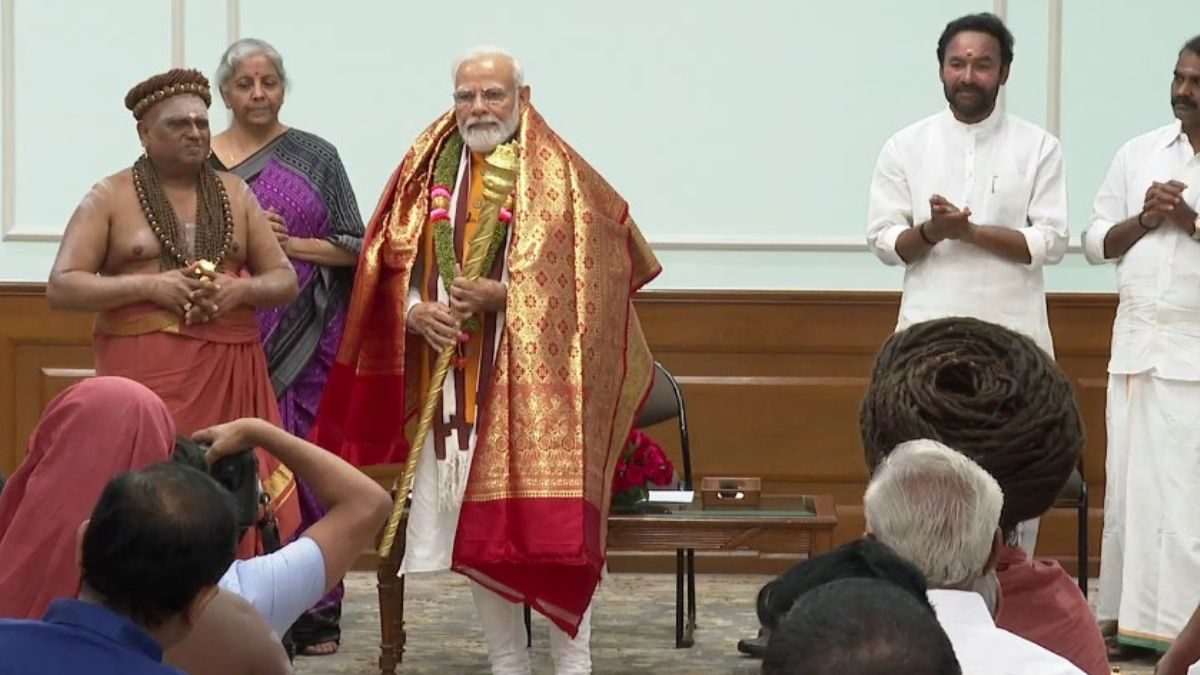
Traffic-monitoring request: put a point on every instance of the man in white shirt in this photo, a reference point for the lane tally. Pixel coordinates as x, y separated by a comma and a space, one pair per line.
862, 626
941, 511
283, 584
1144, 220
972, 201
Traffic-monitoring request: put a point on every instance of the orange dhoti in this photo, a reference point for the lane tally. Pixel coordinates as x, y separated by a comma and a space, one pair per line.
207, 374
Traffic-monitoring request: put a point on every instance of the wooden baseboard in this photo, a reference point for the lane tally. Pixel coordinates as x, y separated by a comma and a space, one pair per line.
772, 382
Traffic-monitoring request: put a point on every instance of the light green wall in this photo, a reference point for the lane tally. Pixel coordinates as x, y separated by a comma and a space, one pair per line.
724, 123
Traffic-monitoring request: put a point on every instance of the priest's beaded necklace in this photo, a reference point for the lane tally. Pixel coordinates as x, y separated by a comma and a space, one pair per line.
214, 217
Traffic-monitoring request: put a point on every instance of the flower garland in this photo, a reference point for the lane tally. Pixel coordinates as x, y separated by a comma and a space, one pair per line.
445, 171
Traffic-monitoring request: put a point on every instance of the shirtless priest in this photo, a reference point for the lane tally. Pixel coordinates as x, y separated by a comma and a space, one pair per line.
175, 257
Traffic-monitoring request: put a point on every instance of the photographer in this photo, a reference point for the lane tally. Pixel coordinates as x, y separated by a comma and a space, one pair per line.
94, 431
105, 426
130, 605
283, 584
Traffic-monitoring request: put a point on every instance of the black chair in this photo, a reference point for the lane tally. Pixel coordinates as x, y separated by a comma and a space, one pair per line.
1074, 495
665, 402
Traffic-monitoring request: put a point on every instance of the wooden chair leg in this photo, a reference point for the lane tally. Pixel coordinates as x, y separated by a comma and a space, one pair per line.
528, 626
690, 629
391, 608
1082, 526
679, 598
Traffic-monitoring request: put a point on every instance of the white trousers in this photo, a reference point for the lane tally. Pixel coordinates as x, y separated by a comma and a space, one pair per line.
504, 627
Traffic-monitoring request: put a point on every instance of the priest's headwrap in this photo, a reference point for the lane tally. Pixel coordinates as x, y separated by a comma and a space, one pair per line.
989, 393
160, 87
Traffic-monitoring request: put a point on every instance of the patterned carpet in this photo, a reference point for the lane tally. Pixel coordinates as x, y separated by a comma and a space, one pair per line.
633, 629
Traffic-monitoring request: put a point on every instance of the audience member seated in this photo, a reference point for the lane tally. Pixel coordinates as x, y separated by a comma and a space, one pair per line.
1042, 603
995, 396
940, 510
92, 432
860, 627
150, 556
1183, 657
283, 584
862, 558
231, 638
104, 426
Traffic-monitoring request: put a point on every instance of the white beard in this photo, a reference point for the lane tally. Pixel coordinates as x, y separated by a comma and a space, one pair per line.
484, 137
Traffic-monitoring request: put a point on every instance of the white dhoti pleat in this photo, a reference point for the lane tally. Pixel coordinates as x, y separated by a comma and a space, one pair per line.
1116, 469
437, 497
1150, 554
429, 537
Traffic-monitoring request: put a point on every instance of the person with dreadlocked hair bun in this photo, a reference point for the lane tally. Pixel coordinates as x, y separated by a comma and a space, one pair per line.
995, 396
175, 257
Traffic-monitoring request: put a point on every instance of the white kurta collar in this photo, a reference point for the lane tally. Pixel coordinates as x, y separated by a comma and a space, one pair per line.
984, 128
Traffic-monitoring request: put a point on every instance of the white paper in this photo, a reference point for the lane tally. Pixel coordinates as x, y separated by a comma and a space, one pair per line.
671, 496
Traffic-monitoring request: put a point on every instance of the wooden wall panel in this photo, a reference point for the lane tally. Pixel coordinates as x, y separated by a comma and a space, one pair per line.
745, 439
772, 382
40, 354
39, 378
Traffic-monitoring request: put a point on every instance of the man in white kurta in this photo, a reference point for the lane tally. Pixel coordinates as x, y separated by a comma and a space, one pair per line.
972, 201
1145, 222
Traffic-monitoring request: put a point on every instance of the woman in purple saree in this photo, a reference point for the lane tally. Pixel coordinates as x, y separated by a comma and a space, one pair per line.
300, 181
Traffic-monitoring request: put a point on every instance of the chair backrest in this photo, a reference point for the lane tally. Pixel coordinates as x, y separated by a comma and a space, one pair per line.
663, 402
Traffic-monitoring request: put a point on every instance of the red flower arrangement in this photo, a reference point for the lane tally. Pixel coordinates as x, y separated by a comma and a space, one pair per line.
642, 464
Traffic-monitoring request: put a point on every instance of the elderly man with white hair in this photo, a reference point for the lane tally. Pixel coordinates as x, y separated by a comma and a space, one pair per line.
940, 510
549, 361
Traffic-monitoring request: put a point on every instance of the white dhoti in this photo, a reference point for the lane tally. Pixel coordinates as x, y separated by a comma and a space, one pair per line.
1150, 550
429, 537
429, 547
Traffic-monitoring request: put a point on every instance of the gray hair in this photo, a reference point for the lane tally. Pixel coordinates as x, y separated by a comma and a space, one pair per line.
938, 509
241, 50
489, 50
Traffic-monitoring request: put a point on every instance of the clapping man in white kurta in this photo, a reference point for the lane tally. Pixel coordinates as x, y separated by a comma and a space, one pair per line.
1144, 221
972, 201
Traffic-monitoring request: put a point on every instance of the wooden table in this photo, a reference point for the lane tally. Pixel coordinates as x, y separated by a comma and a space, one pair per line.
782, 524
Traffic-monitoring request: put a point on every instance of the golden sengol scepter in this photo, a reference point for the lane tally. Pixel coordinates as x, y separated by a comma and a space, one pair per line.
499, 178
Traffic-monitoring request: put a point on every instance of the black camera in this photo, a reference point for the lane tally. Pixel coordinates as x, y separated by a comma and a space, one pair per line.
237, 473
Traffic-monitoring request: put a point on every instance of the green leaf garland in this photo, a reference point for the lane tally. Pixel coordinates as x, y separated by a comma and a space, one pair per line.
445, 171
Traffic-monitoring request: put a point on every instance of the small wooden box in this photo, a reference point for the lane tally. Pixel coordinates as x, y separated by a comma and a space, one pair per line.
725, 492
